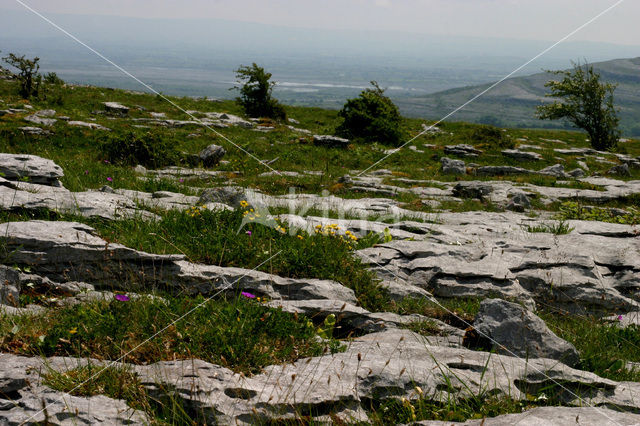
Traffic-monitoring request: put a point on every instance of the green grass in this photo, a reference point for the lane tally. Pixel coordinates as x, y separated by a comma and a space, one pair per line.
572, 210
457, 312
604, 347
558, 228
425, 328
213, 237
119, 382
394, 411
75, 148
243, 335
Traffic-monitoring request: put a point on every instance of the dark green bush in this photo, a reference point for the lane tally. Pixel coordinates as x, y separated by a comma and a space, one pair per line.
150, 150
371, 117
492, 137
255, 93
28, 77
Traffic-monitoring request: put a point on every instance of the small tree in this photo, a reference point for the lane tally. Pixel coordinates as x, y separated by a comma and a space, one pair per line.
255, 93
29, 77
586, 103
371, 117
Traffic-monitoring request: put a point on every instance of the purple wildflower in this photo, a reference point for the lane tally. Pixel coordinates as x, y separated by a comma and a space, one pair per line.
249, 233
619, 317
181, 180
86, 172
110, 179
248, 295
122, 297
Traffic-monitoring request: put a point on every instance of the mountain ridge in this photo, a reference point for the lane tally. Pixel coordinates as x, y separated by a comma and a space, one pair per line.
512, 103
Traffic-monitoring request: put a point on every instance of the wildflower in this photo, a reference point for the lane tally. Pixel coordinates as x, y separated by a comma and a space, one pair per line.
110, 179
619, 317
122, 297
181, 180
244, 204
86, 172
300, 237
106, 161
249, 233
248, 295
74, 330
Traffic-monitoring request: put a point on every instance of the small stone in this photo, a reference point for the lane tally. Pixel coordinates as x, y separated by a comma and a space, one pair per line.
211, 155
519, 203
330, 141
453, 167
9, 286
620, 170
472, 190
40, 120
116, 108
46, 113
577, 173
514, 330
462, 150
556, 170
522, 155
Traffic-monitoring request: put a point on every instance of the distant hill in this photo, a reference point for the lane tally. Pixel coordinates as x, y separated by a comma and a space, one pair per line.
513, 102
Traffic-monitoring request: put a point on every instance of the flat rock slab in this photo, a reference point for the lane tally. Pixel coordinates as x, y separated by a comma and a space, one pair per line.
31, 168
42, 121
23, 397
462, 150
386, 364
331, 141
116, 108
551, 416
594, 268
70, 251
27, 196
93, 126
522, 155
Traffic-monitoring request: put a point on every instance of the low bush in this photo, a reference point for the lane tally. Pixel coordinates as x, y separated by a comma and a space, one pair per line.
150, 150
492, 137
371, 117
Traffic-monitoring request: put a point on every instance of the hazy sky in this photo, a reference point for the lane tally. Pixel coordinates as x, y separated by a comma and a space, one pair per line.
525, 19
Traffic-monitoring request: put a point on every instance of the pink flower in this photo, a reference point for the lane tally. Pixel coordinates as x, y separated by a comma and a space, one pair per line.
619, 317
249, 233
86, 172
248, 295
181, 180
122, 297
110, 179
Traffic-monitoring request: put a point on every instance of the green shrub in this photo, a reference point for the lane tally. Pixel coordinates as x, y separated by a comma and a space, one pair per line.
586, 103
492, 137
150, 150
52, 78
28, 77
371, 117
255, 93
